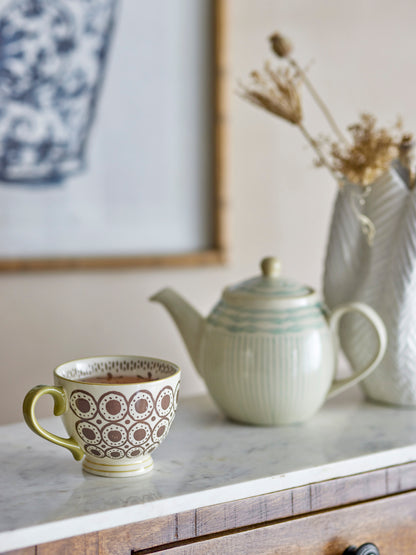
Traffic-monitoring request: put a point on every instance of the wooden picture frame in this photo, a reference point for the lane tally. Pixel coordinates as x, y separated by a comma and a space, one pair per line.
216, 252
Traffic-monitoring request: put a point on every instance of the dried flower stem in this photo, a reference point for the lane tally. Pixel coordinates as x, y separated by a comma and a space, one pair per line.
407, 158
313, 92
321, 157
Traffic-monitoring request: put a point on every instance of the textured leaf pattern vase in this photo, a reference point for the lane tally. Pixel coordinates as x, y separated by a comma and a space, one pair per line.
382, 275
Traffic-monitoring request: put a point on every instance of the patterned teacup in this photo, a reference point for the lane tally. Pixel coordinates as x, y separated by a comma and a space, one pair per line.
116, 410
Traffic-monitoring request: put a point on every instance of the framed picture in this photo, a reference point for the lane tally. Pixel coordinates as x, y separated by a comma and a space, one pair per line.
112, 133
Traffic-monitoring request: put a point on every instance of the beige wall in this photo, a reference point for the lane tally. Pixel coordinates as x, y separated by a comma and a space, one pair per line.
363, 53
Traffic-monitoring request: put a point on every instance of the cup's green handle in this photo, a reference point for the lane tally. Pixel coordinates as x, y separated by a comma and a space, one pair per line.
334, 319
60, 407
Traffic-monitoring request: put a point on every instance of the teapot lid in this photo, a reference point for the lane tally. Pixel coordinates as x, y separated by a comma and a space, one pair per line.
270, 290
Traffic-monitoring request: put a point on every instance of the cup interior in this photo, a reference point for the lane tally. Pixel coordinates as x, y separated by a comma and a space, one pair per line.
143, 368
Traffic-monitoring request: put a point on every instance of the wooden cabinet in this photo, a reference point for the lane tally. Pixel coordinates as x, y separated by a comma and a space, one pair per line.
320, 518
389, 523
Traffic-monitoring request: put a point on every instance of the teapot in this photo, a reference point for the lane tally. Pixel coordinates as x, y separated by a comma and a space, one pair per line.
268, 350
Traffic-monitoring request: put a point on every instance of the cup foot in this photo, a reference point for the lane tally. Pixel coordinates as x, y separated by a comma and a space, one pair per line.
141, 466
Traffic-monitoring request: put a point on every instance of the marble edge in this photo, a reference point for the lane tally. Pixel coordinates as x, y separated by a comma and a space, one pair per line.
53, 531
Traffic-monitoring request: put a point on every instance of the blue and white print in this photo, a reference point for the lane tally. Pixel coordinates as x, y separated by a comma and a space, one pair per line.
52, 58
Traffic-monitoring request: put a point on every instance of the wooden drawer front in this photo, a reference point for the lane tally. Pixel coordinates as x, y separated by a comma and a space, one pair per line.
390, 523
23, 551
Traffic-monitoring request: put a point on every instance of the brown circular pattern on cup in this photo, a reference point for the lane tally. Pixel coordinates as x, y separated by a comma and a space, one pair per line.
123, 428
141, 405
95, 451
112, 406
88, 432
164, 401
114, 435
115, 453
139, 433
160, 430
135, 451
83, 404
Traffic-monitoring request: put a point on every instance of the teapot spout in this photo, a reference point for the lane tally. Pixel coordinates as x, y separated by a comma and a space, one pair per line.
188, 320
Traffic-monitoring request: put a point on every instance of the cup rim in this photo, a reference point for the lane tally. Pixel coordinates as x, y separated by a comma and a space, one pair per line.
120, 357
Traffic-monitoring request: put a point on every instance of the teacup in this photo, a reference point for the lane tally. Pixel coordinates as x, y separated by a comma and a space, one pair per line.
116, 410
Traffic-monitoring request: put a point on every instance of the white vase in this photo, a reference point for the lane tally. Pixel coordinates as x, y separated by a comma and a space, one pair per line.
382, 275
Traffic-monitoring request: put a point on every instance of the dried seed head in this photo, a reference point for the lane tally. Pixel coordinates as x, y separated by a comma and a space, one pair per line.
370, 154
277, 91
407, 158
407, 151
406, 144
280, 45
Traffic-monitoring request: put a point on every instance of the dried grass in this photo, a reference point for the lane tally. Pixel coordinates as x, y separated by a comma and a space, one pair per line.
277, 91
370, 153
360, 160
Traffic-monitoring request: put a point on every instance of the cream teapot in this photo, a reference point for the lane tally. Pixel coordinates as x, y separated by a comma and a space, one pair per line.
268, 350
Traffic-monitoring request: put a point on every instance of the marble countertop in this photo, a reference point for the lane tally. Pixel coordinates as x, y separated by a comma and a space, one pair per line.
205, 460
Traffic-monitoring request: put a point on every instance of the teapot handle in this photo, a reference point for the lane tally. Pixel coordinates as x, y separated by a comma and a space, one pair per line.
334, 319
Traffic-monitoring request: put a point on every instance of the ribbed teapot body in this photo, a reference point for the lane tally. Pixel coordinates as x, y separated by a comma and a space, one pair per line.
267, 366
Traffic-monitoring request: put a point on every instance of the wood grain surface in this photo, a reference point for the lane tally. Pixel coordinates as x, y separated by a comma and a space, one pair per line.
24, 551
389, 523
250, 515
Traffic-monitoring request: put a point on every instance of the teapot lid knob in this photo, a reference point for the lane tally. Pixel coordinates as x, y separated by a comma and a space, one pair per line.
270, 267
